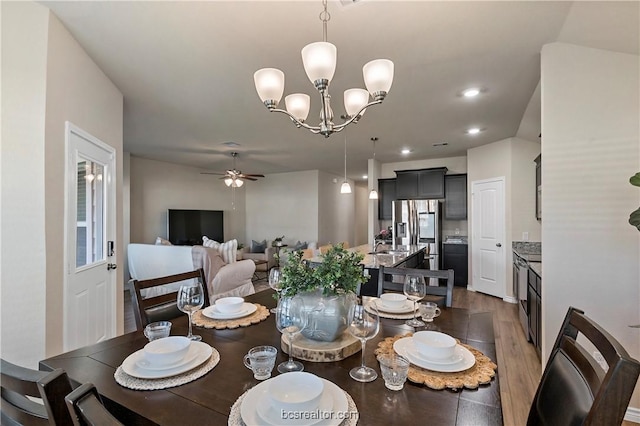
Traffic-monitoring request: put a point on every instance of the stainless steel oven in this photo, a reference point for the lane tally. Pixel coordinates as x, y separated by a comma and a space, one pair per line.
520, 272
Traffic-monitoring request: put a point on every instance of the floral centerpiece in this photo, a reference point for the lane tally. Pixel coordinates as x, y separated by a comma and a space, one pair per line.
328, 289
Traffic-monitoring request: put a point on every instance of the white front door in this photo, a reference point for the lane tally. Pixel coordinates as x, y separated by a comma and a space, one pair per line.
488, 258
90, 287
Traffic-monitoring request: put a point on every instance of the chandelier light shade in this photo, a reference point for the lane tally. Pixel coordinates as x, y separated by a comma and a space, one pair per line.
319, 60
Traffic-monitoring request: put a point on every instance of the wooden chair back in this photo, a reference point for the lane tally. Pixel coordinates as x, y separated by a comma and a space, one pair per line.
162, 307
86, 408
20, 383
575, 389
444, 291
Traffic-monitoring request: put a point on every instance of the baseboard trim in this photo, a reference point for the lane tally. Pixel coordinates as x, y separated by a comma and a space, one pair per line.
633, 415
510, 299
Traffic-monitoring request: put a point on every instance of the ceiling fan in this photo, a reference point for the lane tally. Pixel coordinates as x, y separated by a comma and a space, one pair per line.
234, 177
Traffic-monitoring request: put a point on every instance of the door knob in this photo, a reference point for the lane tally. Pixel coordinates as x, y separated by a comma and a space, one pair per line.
498, 245
111, 266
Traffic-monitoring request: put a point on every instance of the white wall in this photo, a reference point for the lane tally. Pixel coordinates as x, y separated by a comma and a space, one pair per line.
23, 262
453, 164
51, 80
157, 186
336, 211
590, 148
283, 204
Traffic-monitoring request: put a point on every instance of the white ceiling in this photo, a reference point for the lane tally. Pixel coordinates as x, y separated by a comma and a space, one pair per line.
186, 72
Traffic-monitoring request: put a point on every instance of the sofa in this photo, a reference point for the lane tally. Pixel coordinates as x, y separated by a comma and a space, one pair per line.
268, 255
223, 279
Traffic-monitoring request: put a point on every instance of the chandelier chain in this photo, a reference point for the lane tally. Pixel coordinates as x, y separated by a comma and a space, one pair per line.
324, 17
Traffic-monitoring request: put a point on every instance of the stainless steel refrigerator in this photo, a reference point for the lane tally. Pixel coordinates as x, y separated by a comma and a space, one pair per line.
418, 222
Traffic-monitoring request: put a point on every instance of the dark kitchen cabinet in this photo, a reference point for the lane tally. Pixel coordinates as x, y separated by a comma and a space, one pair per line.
424, 184
387, 195
538, 162
455, 256
455, 202
534, 303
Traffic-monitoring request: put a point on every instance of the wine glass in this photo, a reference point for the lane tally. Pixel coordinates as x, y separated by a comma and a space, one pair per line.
190, 299
274, 282
415, 289
290, 319
363, 325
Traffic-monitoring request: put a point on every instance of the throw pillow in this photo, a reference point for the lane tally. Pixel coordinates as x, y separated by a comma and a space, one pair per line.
227, 250
257, 247
299, 246
162, 242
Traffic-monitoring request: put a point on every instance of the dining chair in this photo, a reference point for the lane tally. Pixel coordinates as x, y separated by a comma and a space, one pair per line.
86, 408
20, 385
575, 389
159, 303
444, 292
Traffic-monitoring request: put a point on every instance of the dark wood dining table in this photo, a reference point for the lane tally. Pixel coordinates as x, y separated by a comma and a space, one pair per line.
208, 400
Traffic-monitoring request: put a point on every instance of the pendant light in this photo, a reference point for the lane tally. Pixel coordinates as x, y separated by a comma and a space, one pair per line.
373, 195
345, 188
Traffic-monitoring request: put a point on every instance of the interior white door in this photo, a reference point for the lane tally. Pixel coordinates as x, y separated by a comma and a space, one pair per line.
90, 287
488, 258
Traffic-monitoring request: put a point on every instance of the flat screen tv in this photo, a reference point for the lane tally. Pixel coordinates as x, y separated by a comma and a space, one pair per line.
186, 227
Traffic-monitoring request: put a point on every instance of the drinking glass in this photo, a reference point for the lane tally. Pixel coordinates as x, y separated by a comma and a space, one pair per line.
274, 282
291, 319
415, 289
363, 325
190, 299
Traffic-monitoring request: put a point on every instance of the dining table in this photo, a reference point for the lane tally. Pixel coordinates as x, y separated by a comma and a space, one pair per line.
208, 400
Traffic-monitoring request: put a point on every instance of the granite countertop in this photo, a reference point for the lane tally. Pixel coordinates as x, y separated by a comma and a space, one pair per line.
456, 239
381, 259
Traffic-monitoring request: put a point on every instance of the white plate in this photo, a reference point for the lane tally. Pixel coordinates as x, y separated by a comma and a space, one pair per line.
458, 355
273, 416
143, 363
214, 313
406, 348
130, 364
250, 416
408, 307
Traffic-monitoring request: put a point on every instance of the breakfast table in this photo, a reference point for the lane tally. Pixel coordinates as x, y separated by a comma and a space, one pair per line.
208, 400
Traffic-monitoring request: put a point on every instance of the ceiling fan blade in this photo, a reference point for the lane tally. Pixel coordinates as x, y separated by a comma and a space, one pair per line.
253, 175
248, 178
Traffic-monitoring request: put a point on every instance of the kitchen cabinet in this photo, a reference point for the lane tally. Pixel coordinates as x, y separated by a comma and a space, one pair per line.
534, 303
455, 192
455, 256
424, 184
386, 194
538, 162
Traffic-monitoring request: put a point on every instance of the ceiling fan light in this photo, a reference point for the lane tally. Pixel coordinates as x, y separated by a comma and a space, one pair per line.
373, 195
298, 105
238, 183
354, 100
319, 60
345, 188
269, 84
228, 181
378, 76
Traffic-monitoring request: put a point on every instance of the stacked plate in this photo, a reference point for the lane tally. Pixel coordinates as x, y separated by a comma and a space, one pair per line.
404, 307
456, 358
139, 365
214, 312
297, 398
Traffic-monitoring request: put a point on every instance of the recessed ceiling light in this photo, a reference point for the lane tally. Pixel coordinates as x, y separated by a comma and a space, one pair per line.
471, 92
364, 176
406, 151
473, 131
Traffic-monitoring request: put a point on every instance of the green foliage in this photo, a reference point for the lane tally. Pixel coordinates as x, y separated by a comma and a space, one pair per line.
340, 272
277, 240
634, 217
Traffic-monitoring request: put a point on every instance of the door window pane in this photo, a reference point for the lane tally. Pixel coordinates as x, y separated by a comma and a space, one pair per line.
90, 242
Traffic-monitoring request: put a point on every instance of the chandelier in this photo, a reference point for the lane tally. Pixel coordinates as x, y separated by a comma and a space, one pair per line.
319, 61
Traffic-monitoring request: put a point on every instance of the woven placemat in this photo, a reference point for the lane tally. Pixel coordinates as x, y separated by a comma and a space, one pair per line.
235, 418
135, 383
260, 314
383, 314
480, 374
